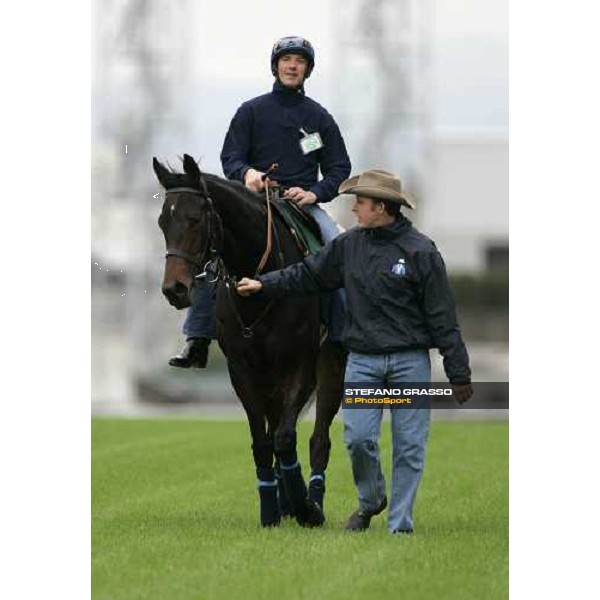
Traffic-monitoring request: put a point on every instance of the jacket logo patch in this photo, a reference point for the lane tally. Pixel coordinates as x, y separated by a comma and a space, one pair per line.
399, 268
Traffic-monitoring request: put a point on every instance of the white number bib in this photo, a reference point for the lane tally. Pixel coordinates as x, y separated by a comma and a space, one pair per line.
310, 142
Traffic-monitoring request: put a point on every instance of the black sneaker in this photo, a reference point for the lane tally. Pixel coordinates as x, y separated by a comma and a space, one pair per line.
404, 531
361, 519
193, 355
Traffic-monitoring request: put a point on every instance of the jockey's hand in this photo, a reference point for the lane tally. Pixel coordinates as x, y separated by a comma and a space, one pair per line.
462, 392
246, 286
300, 196
253, 180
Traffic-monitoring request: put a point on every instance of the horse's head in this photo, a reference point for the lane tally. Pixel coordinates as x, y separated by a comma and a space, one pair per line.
191, 227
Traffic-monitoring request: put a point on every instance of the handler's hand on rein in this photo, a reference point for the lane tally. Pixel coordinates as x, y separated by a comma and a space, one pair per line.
300, 196
462, 392
246, 286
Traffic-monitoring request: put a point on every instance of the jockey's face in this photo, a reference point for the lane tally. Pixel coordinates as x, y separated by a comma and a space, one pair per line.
291, 69
369, 214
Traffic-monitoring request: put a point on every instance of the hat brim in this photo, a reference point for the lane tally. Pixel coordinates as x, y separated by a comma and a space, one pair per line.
349, 187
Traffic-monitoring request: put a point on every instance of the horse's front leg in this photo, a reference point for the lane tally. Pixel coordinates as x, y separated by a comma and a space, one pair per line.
274, 412
299, 383
262, 445
330, 387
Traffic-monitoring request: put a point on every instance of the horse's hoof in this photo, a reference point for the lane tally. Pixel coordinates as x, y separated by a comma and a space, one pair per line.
275, 523
310, 514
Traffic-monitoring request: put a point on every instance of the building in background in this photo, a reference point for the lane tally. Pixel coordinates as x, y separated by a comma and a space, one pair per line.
385, 101
466, 209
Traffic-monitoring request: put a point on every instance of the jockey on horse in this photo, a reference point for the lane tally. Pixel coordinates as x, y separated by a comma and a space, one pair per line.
285, 127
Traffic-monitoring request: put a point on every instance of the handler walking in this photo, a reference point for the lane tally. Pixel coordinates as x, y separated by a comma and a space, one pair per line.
399, 305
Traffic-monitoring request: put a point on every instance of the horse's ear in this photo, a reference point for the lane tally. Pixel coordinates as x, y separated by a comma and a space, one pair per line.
191, 168
161, 171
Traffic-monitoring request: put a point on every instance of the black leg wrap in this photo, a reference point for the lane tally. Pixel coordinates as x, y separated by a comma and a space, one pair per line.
295, 488
269, 505
307, 512
267, 490
316, 488
284, 504
265, 473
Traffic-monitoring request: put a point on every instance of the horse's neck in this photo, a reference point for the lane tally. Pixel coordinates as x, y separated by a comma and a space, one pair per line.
244, 226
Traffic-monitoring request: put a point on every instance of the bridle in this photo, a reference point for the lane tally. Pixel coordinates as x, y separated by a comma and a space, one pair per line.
215, 228
212, 243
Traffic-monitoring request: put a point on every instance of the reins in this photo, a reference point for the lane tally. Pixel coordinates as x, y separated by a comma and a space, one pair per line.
267, 252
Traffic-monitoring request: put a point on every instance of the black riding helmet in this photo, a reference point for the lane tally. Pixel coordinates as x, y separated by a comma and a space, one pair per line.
293, 45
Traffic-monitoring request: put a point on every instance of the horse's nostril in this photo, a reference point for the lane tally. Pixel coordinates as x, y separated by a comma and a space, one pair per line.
179, 289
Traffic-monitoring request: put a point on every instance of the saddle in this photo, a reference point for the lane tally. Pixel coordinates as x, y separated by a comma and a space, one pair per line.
301, 225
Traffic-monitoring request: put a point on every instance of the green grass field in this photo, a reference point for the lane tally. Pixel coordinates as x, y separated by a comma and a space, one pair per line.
175, 516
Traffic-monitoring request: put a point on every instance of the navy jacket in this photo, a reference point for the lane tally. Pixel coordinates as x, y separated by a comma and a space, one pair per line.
397, 292
266, 130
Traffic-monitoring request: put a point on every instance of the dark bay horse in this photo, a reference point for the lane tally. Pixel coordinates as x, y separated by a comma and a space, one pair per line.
273, 349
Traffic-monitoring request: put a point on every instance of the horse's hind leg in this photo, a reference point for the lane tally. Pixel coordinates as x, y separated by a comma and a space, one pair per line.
330, 386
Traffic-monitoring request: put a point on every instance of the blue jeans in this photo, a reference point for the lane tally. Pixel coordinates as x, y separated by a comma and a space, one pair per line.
362, 429
326, 224
333, 306
200, 320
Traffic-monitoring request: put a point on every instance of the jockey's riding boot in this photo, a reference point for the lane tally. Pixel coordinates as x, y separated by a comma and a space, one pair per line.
193, 355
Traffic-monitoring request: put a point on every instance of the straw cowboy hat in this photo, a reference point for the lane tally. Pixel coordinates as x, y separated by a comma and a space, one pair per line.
378, 184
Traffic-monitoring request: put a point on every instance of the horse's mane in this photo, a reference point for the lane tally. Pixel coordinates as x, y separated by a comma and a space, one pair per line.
236, 187
177, 179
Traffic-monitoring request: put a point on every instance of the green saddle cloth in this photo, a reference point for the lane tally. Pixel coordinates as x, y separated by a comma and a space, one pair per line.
302, 225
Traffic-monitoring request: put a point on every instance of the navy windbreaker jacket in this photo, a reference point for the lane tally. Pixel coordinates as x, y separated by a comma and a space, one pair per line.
266, 130
397, 291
